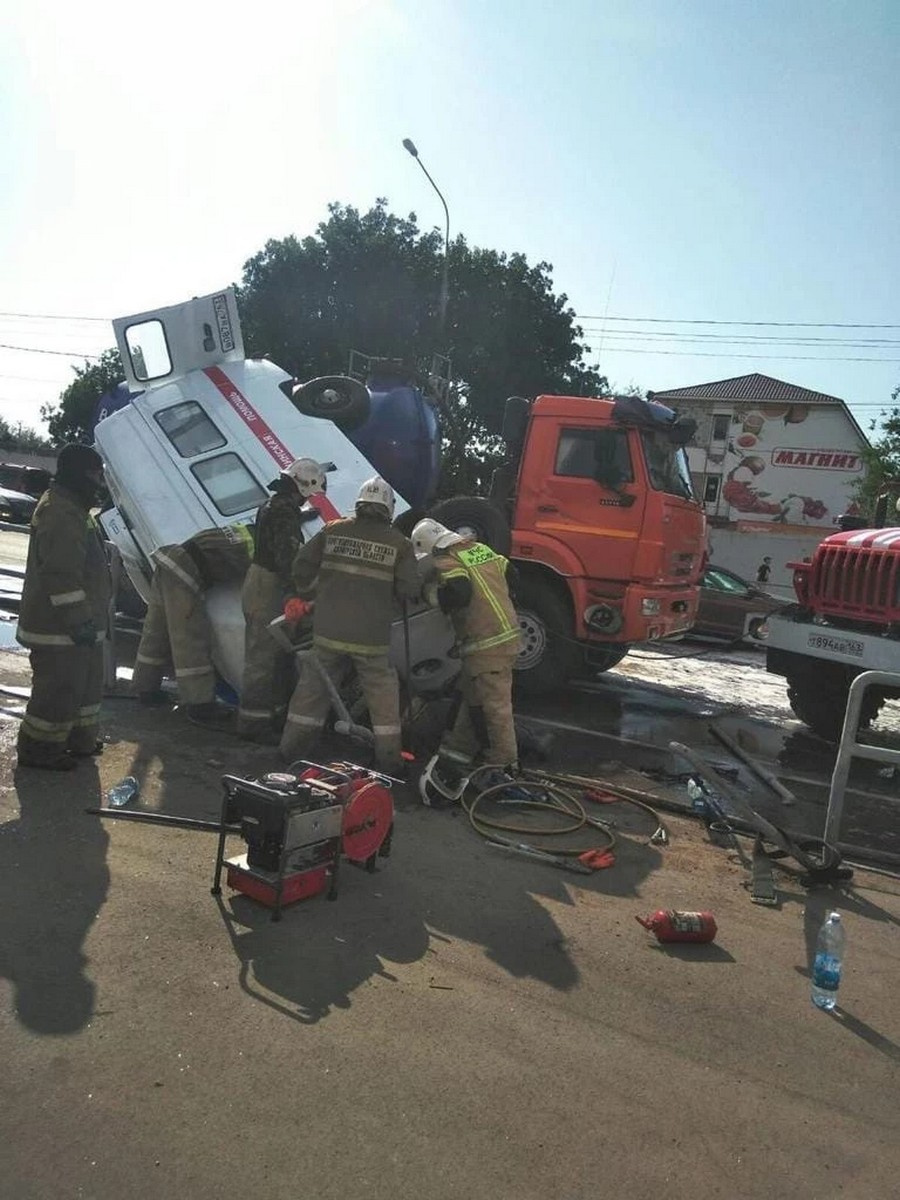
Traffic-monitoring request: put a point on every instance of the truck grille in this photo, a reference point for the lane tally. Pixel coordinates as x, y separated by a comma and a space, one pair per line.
856, 581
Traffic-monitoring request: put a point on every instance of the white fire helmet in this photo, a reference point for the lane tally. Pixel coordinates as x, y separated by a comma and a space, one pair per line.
430, 535
376, 491
307, 475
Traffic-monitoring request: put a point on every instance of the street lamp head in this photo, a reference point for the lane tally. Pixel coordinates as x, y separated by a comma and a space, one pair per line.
410, 146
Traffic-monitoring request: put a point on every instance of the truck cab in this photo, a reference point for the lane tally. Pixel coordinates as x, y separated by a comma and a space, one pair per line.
607, 537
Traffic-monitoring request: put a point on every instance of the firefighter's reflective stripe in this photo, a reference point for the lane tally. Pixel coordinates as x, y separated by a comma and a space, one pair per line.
353, 569
164, 560
306, 722
27, 638
62, 598
46, 731
385, 730
349, 647
499, 639
88, 715
190, 672
242, 534
152, 662
489, 620
255, 714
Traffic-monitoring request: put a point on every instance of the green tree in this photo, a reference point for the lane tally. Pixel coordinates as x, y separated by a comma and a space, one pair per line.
22, 438
371, 282
881, 460
71, 418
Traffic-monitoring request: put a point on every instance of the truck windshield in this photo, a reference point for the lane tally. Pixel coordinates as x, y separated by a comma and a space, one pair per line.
667, 465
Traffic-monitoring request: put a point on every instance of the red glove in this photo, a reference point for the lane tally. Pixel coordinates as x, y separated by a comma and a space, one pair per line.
597, 859
296, 609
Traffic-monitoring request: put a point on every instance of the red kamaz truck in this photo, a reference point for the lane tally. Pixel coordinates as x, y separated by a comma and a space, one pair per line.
595, 508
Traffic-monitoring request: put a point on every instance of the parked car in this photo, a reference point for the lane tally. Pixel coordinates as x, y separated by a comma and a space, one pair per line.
730, 607
33, 481
16, 507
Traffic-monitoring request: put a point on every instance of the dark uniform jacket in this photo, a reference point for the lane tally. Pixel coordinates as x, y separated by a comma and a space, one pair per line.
67, 579
278, 537
356, 568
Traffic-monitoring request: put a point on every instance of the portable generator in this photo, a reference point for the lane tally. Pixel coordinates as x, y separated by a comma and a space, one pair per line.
298, 827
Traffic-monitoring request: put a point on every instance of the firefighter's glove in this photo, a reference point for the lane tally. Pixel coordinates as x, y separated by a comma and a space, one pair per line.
597, 860
84, 634
296, 609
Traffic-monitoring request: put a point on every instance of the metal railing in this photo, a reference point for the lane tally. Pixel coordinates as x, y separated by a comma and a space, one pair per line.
849, 748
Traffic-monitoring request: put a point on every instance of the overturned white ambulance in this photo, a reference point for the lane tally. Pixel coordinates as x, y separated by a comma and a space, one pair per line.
203, 433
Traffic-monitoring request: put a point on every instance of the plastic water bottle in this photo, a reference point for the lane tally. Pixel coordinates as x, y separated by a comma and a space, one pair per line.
123, 793
697, 796
826, 974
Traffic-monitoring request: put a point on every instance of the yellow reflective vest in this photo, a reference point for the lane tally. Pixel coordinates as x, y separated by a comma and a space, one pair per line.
489, 622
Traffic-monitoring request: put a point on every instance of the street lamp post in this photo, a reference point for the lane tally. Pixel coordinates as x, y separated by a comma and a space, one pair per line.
410, 147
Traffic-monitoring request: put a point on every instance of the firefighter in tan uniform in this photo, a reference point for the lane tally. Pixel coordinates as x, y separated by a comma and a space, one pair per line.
468, 582
177, 627
63, 617
278, 535
358, 568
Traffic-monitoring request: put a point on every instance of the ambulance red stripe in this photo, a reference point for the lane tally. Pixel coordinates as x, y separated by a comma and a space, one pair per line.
264, 434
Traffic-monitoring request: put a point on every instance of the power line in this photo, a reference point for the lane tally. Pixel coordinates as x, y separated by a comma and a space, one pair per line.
704, 321
747, 339
759, 357
64, 353
53, 317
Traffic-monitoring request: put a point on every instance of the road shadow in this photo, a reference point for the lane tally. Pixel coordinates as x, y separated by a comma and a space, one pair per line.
53, 881
869, 1035
437, 890
699, 952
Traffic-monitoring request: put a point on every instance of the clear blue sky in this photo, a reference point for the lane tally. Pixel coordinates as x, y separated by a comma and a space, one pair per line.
712, 159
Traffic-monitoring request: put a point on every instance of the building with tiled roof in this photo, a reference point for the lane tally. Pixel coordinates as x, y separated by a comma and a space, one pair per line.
775, 465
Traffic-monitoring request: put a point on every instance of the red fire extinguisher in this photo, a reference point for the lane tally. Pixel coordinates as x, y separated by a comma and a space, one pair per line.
672, 926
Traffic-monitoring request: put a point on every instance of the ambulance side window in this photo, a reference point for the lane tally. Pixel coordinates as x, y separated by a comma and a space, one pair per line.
229, 484
189, 429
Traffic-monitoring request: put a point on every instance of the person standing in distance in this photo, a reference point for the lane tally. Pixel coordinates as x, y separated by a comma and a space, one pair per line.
63, 617
357, 568
764, 570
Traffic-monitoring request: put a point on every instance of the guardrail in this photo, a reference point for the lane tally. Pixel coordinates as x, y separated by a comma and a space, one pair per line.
849, 748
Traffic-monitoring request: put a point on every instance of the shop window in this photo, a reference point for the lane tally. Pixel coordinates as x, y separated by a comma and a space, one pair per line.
711, 489
721, 426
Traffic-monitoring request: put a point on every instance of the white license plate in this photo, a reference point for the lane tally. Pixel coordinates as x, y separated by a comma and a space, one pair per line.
835, 645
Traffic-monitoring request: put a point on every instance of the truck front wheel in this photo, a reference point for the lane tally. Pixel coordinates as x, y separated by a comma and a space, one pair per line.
819, 698
549, 656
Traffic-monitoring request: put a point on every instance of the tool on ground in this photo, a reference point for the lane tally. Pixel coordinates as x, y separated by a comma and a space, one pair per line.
670, 925
600, 792
821, 862
566, 815
297, 824
785, 794
523, 850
